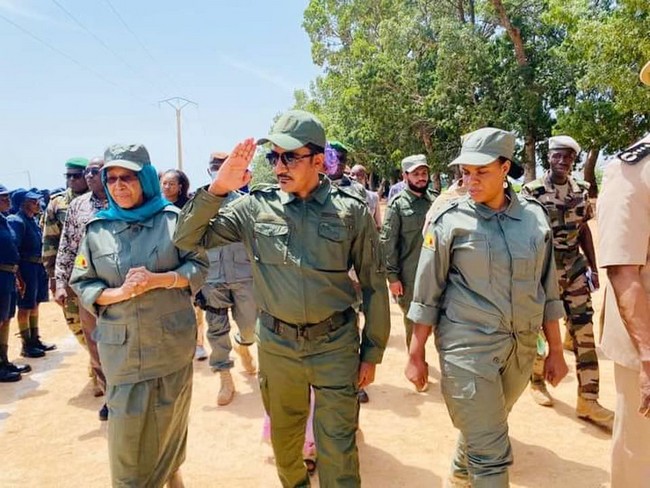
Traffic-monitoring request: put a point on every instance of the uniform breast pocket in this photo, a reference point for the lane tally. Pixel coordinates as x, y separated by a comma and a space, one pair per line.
332, 249
471, 256
107, 267
271, 242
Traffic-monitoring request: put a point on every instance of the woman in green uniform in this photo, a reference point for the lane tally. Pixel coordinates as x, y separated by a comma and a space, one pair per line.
485, 283
140, 286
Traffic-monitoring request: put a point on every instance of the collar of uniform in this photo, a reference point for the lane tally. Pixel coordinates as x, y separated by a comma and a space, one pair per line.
121, 226
513, 210
407, 193
320, 193
550, 186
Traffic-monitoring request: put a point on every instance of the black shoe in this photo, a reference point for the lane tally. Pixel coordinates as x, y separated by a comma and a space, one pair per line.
42, 346
363, 396
30, 351
7, 376
18, 368
103, 413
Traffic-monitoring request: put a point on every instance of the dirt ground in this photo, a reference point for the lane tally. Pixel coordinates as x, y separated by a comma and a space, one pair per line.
51, 436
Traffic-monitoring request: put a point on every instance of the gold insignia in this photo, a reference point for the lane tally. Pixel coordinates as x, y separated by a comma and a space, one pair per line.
430, 241
81, 262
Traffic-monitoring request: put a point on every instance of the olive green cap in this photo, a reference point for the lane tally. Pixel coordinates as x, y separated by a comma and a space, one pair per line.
411, 163
339, 146
295, 129
483, 146
128, 156
76, 163
645, 74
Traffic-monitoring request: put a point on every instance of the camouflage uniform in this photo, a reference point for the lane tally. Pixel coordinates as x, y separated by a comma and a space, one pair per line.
53, 220
567, 216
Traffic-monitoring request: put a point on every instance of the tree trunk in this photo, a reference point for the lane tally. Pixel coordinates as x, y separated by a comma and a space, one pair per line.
529, 159
590, 171
437, 183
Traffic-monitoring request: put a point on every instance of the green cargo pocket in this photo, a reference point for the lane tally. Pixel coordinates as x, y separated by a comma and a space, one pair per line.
459, 387
113, 334
271, 242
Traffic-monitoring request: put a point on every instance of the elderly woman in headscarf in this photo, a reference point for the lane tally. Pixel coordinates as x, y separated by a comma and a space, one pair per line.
140, 286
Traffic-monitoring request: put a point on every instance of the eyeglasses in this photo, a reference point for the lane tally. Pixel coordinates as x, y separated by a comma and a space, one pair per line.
128, 179
73, 176
92, 171
289, 159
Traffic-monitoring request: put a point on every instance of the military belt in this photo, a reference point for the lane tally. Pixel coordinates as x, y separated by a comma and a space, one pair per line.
9, 268
33, 259
306, 331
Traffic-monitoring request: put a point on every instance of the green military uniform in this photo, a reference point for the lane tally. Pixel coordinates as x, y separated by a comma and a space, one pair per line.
300, 252
568, 213
53, 221
485, 282
401, 242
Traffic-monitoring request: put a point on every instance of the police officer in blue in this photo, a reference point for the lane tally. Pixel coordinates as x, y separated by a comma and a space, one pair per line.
29, 242
9, 257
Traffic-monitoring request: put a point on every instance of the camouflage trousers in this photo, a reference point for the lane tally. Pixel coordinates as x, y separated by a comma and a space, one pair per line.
575, 293
72, 318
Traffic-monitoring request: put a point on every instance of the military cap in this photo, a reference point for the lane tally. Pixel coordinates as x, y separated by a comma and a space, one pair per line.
485, 145
220, 155
339, 146
4, 190
76, 163
563, 142
295, 129
128, 156
645, 74
413, 162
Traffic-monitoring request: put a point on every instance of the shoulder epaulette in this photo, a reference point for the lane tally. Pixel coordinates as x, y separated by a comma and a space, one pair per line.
349, 192
444, 208
635, 153
584, 185
535, 186
534, 200
264, 187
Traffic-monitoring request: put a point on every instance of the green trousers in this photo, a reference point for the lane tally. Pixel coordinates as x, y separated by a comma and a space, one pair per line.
479, 408
330, 364
147, 429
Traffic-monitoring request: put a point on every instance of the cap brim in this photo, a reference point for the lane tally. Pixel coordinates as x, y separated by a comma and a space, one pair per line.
645, 74
284, 141
418, 165
122, 163
473, 159
32, 196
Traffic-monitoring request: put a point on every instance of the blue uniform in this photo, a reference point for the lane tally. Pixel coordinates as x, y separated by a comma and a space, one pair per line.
9, 258
29, 243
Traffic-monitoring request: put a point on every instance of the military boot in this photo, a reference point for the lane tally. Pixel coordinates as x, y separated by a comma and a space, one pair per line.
246, 357
227, 389
9, 366
7, 376
540, 394
594, 412
30, 350
38, 343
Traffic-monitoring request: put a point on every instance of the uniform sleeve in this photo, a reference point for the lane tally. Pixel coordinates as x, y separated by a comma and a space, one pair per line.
624, 216
202, 225
84, 280
194, 267
389, 239
51, 237
431, 274
553, 307
19, 231
366, 258
67, 251
589, 208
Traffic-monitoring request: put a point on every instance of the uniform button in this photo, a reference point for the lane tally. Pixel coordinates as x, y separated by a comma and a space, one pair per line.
496, 360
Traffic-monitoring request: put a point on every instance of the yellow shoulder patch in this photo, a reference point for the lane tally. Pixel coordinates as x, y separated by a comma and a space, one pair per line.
430, 241
81, 262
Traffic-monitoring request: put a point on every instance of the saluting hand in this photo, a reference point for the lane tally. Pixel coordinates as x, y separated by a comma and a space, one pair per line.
234, 173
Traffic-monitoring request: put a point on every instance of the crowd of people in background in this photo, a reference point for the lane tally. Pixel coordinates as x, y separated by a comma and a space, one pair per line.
305, 268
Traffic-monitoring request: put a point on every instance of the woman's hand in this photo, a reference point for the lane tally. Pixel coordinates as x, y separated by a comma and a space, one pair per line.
555, 368
142, 279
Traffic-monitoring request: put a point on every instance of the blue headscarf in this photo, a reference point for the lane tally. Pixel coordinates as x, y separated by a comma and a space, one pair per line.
153, 199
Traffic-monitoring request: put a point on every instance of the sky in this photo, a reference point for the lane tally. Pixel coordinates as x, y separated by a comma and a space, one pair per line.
79, 75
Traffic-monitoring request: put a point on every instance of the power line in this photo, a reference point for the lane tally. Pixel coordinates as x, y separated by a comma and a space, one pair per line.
144, 48
70, 58
105, 46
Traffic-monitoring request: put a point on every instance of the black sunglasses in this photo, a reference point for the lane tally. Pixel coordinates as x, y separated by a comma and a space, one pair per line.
73, 176
289, 159
92, 171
